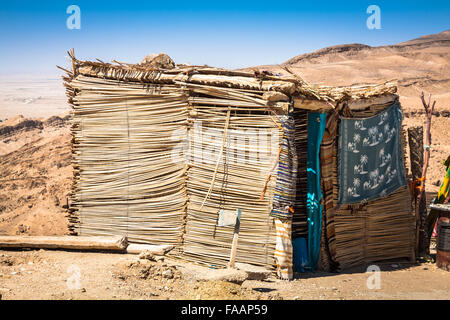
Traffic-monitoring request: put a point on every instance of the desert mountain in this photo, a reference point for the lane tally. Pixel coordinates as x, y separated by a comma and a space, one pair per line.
418, 64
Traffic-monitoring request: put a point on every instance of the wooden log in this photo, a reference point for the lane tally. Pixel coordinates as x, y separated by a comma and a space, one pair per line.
311, 104
114, 243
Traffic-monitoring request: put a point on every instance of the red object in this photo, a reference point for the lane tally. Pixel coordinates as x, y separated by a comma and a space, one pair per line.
434, 234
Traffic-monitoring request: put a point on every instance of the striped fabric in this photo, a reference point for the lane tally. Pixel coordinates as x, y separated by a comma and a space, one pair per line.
283, 249
300, 216
328, 159
285, 189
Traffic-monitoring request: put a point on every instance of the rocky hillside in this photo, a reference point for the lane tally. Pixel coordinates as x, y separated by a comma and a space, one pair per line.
418, 64
35, 175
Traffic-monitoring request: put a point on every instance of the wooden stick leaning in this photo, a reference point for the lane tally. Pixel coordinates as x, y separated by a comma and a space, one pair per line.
224, 139
422, 238
235, 239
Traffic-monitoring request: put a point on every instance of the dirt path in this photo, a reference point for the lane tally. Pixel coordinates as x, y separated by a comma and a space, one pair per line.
63, 275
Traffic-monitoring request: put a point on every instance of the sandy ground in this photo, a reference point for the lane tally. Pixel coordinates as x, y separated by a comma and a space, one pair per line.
59, 275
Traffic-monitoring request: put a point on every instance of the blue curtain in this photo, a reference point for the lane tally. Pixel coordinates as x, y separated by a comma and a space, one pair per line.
316, 128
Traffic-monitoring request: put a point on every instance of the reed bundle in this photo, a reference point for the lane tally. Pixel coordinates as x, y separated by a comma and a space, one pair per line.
125, 180
230, 180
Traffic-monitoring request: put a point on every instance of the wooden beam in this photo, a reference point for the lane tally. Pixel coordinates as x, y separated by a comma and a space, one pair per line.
114, 243
313, 105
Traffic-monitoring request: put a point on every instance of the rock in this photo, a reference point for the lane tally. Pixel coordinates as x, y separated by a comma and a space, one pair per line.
275, 296
147, 255
167, 274
445, 113
83, 290
160, 60
158, 250
254, 272
228, 275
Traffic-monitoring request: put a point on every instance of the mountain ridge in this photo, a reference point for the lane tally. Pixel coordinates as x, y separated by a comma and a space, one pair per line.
420, 64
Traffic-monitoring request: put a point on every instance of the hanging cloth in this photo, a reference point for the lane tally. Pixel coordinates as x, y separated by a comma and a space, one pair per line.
370, 156
316, 129
284, 193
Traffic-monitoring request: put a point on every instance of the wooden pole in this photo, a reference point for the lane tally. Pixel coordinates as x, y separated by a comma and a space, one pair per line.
424, 241
235, 240
116, 243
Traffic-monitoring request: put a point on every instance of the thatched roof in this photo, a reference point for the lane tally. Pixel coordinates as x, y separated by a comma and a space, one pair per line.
273, 88
157, 69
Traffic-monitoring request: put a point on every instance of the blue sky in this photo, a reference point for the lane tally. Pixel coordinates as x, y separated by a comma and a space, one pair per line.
231, 34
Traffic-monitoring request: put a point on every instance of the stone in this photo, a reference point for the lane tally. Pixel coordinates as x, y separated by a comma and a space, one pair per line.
147, 255
253, 272
167, 274
228, 275
158, 60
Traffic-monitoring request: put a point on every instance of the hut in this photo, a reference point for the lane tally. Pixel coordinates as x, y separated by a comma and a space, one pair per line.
163, 151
